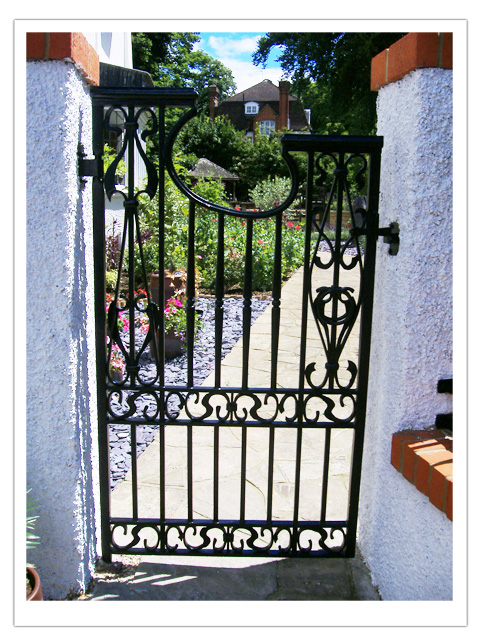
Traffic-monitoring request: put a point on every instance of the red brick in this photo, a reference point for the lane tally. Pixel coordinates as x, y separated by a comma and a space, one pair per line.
447, 51
60, 46
413, 51
35, 46
410, 454
66, 46
425, 460
438, 484
449, 499
378, 75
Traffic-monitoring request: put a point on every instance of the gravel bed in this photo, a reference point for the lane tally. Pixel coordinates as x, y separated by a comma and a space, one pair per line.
176, 373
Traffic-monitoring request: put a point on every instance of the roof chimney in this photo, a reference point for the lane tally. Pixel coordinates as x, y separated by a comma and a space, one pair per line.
214, 95
284, 87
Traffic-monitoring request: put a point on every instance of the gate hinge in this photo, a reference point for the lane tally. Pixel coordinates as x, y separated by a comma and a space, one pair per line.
88, 167
391, 235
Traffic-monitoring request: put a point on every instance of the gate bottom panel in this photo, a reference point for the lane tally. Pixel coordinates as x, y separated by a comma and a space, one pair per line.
250, 538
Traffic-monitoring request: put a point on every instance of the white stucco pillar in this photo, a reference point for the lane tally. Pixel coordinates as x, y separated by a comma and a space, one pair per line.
405, 540
61, 405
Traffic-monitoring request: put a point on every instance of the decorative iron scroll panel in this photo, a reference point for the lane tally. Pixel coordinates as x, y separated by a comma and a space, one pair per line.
249, 467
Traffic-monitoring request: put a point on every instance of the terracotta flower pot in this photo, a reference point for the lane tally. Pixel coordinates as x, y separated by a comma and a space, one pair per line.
174, 346
34, 580
171, 283
116, 375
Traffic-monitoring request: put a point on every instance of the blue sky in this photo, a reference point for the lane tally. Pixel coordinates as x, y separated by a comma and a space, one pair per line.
235, 51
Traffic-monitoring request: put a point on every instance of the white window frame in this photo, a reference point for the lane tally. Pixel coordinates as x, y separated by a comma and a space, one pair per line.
251, 108
249, 136
266, 127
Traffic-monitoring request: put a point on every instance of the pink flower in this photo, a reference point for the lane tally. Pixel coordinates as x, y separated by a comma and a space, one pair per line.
298, 227
199, 257
260, 242
289, 224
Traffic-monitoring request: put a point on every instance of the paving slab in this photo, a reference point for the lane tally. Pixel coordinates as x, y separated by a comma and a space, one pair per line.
233, 579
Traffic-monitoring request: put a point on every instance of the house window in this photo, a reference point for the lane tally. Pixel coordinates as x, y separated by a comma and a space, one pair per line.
249, 136
251, 108
266, 127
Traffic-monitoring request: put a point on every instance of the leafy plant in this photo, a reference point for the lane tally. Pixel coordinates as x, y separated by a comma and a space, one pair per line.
32, 539
109, 156
270, 193
111, 278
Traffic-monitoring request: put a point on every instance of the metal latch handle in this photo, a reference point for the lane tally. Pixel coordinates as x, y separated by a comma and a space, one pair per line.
391, 235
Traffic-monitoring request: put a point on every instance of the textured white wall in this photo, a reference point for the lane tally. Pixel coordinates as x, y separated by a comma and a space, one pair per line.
405, 540
61, 419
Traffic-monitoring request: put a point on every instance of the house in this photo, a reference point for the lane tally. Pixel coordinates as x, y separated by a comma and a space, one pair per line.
262, 109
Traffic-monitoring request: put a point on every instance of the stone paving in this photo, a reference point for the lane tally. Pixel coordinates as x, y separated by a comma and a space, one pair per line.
334, 572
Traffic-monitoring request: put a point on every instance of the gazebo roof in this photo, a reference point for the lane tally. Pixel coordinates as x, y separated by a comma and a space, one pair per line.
208, 169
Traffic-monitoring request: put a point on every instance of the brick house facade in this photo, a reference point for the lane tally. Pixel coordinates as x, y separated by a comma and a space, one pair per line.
262, 109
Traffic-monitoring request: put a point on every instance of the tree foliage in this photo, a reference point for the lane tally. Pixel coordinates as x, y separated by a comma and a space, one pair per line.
331, 73
171, 61
217, 140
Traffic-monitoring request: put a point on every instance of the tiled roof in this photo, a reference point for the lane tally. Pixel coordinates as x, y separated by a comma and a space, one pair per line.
207, 169
264, 91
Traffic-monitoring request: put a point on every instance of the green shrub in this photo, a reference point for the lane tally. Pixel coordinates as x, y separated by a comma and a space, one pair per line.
206, 225
111, 278
269, 193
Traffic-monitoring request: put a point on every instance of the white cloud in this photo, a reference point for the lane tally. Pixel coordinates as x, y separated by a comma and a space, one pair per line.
225, 46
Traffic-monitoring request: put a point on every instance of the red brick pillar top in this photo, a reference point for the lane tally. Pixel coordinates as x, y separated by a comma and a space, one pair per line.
413, 51
72, 47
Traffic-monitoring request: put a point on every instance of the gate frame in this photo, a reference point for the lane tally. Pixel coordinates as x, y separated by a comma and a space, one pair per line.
312, 144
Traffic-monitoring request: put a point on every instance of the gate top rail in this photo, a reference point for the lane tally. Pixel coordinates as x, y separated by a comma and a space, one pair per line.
142, 96
346, 144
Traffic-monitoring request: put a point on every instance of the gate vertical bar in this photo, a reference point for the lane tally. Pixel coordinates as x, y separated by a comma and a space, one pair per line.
190, 292
100, 334
303, 338
161, 306
367, 285
219, 293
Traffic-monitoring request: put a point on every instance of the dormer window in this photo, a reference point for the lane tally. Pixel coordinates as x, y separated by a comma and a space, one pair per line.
251, 108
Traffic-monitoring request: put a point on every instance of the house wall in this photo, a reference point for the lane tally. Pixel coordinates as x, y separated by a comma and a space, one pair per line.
113, 48
405, 540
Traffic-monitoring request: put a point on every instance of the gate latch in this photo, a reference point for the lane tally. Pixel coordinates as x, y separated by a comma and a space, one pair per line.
88, 167
391, 235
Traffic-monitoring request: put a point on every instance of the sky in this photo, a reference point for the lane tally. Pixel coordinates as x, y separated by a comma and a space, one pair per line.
235, 51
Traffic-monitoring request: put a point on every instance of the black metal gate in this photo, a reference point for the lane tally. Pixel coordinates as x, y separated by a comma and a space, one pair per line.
324, 401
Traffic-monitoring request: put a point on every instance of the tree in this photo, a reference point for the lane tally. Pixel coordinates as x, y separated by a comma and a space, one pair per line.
331, 73
172, 62
217, 140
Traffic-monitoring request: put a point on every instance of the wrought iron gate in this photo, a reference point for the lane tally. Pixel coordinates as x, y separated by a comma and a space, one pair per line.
326, 399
